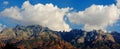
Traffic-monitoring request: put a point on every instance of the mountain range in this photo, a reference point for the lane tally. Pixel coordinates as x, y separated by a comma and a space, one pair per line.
38, 37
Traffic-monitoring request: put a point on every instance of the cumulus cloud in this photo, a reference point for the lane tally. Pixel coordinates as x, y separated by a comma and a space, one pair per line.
5, 2
46, 15
95, 17
118, 3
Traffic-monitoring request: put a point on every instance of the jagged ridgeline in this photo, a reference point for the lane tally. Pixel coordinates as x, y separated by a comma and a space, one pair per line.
38, 37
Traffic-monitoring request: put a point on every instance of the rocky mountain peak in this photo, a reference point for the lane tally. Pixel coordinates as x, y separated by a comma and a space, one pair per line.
43, 37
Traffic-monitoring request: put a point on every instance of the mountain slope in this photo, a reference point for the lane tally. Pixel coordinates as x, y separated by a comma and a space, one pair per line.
38, 37
34, 36
92, 39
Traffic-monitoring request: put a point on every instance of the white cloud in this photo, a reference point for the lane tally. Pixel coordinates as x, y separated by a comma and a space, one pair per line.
5, 2
96, 17
46, 15
118, 3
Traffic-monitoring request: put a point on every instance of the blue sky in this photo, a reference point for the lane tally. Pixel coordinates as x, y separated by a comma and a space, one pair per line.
77, 5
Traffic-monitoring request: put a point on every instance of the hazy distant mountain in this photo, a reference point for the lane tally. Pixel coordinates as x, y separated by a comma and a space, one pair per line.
38, 37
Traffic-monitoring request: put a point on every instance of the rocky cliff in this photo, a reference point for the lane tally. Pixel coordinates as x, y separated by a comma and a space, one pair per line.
38, 37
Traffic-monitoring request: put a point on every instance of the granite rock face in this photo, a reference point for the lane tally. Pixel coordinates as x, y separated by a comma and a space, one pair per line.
38, 37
